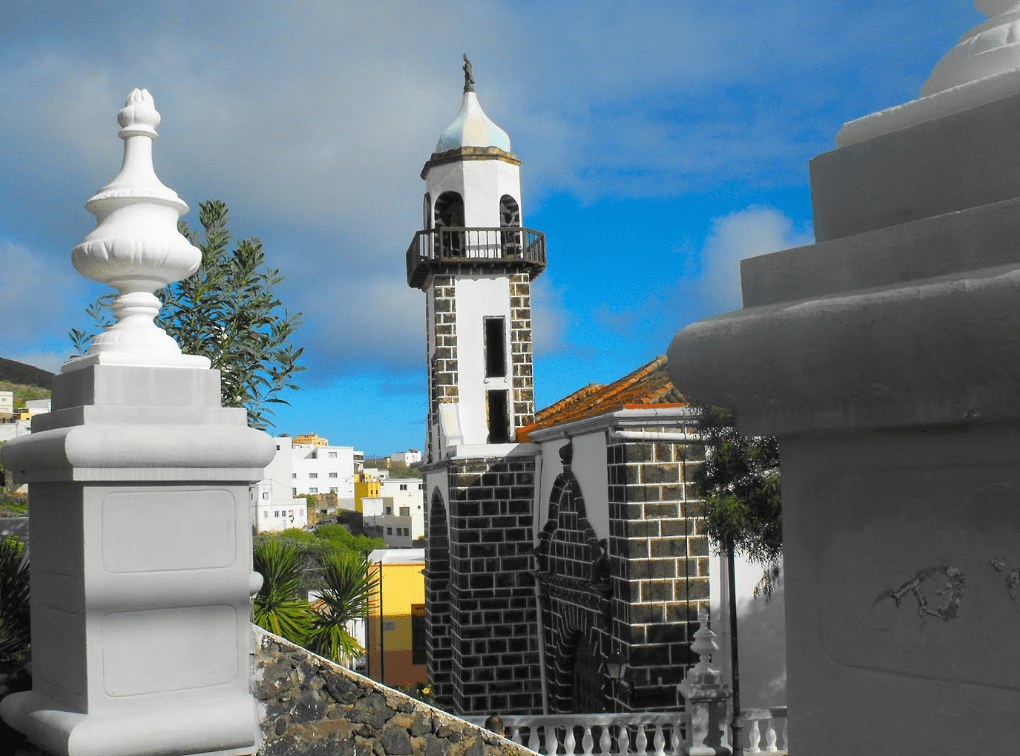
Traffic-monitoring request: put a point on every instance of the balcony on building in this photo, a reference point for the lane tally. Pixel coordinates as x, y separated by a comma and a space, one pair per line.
481, 249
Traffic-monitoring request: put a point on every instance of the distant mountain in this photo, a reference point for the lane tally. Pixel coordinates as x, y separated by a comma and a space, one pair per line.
26, 375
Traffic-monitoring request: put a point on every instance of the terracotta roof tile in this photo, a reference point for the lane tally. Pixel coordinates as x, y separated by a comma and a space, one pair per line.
648, 385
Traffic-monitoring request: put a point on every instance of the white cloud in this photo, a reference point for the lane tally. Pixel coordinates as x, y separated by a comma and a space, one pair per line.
745, 233
38, 298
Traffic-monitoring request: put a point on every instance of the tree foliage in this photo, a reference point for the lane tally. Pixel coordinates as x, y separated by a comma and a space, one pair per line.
345, 592
739, 483
227, 311
343, 580
279, 606
15, 619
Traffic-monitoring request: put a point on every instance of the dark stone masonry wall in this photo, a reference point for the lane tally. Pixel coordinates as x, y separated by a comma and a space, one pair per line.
521, 357
660, 556
493, 608
309, 706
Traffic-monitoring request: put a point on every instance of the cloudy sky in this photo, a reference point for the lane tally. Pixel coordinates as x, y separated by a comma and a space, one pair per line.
661, 142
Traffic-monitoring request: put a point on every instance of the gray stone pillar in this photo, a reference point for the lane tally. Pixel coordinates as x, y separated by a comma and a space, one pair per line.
138, 488
886, 357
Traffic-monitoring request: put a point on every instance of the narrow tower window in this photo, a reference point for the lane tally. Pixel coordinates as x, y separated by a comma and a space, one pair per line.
426, 212
495, 347
499, 419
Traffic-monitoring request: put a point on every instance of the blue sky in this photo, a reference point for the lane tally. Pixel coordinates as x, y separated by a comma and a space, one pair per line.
661, 142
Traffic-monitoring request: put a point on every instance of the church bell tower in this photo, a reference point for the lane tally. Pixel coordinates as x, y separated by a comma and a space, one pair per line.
475, 262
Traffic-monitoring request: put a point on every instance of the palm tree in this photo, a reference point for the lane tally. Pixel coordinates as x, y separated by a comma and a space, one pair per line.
346, 587
279, 606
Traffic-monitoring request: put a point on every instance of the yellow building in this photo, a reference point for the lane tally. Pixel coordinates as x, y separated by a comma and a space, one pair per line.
365, 487
399, 659
311, 439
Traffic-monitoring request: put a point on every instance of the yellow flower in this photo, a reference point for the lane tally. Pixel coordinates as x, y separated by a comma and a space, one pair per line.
426, 691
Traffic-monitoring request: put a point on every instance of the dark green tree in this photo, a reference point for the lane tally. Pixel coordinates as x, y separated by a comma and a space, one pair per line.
228, 311
739, 484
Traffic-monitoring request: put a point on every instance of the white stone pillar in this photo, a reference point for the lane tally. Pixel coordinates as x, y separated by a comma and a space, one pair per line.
707, 699
141, 543
886, 357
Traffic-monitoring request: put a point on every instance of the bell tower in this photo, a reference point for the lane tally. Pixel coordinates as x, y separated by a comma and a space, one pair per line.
475, 262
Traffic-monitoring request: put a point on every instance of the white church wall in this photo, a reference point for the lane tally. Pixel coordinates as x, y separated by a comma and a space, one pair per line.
761, 631
478, 297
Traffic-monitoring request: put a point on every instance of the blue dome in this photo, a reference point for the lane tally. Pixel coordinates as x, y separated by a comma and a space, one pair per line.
472, 128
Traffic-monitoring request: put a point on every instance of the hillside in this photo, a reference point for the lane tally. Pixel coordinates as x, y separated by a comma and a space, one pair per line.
25, 375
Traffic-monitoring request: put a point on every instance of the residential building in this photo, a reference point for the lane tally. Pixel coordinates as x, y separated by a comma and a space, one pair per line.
6, 403
298, 469
396, 625
410, 457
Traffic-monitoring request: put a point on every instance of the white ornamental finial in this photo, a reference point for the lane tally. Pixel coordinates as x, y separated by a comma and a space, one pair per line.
990, 48
704, 645
137, 249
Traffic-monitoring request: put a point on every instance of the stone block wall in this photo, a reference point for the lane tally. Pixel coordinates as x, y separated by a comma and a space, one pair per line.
659, 564
438, 648
521, 357
493, 608
442, 368
309, 706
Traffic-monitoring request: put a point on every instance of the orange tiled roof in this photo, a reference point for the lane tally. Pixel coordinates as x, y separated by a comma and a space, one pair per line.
648, 385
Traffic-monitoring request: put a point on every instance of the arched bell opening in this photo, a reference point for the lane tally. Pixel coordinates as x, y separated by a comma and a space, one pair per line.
510, 217
449, 220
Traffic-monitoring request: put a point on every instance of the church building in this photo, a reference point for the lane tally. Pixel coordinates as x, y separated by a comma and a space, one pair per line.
556, 541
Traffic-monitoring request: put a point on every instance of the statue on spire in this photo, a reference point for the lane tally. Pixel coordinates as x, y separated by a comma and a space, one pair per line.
469, 76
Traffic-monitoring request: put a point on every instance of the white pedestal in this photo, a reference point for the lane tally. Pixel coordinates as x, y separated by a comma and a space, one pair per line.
141, 565
887, 359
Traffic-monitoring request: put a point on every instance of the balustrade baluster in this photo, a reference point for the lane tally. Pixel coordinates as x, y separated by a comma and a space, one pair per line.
675, 739
770, 737
514, 734
623, 740
533, 742
754, 737
606, 741
569, 743
641, 743
588, 741
552, 741
659, 741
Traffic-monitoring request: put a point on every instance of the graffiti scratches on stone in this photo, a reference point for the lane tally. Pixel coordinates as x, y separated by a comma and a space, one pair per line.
951, 590
1012, 576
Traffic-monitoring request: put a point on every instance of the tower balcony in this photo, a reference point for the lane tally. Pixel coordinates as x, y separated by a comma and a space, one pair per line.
474, 249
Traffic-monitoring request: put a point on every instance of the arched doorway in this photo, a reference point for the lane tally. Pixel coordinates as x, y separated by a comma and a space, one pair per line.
586, 683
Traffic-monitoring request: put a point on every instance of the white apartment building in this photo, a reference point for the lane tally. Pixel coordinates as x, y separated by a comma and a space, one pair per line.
410, 457
407, 497
299, 469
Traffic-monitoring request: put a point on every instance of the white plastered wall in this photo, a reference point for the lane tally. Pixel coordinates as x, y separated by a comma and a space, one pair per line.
589, 466
480, 183
761, 630
479, 297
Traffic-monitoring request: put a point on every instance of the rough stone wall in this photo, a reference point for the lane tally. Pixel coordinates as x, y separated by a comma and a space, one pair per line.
659, 556
520, 350
493, 608
309, 706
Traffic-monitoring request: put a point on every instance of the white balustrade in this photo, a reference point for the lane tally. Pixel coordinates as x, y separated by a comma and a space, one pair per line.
765, 730
635, 733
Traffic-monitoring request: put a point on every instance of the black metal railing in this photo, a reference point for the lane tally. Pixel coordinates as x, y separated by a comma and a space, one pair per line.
473, 245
